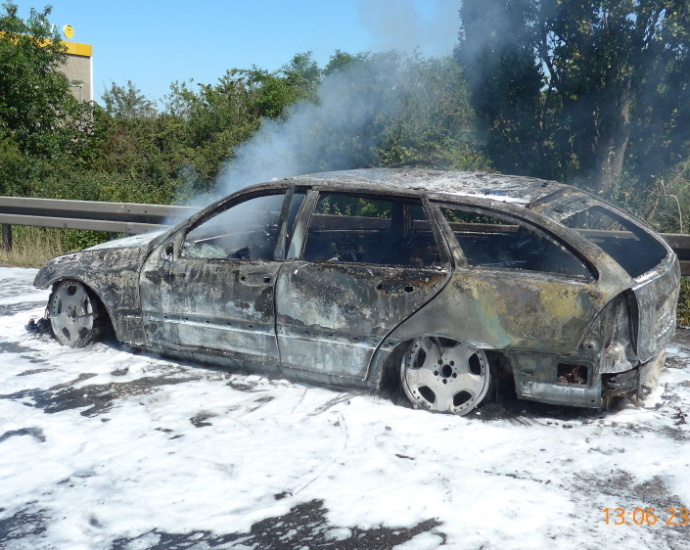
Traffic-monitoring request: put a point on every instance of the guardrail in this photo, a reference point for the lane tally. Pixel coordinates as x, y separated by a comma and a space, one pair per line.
133, 218
113, 217
681, 246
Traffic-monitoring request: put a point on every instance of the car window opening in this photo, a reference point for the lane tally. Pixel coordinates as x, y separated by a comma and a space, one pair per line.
359, 229
488, 240
246, 231
631, 246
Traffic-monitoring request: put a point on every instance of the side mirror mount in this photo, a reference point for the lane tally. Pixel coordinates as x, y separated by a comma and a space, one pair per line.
168, 251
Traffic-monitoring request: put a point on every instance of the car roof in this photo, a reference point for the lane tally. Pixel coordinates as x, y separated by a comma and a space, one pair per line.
439, 183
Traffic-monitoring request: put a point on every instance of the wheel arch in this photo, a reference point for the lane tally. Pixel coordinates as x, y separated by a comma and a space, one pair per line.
387, 373
90, 288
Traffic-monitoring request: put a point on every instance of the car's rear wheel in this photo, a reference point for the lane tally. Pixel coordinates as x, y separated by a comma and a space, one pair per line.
76, 316
444, 375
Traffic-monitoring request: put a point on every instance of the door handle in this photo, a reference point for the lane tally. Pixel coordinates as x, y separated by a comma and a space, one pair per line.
249, 280
395, 286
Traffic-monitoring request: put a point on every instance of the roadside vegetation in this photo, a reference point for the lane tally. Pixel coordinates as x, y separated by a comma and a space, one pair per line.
594, 93
33, 246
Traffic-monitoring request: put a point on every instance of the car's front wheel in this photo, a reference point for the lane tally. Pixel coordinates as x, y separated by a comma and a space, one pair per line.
76, 316
444, 375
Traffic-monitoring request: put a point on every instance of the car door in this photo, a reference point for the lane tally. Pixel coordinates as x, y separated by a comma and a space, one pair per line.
363, 265
212, 288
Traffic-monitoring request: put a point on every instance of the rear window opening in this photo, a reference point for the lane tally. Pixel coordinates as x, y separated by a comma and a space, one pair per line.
633, 248
490, 240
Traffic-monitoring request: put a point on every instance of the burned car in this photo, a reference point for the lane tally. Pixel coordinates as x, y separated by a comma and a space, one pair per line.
438, 282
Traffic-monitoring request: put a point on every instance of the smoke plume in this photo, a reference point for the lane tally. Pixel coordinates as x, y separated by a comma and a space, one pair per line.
405, 25
338, 131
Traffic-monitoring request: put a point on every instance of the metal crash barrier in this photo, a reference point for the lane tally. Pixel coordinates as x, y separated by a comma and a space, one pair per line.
113, 217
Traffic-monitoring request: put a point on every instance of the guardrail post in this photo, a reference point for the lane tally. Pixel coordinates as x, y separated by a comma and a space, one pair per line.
6, 237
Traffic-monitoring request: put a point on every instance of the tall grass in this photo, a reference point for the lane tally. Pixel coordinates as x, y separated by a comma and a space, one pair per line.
33, 246
683, 310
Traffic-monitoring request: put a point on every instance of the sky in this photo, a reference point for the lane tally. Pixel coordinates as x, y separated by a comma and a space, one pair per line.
154, 43
104, 447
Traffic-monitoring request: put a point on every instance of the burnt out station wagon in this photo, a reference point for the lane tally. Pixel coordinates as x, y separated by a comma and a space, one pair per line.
438, 281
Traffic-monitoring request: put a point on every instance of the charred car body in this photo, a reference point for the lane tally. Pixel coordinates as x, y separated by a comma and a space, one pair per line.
438, 280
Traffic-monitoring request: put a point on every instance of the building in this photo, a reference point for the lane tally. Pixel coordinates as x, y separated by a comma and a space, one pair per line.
78, 67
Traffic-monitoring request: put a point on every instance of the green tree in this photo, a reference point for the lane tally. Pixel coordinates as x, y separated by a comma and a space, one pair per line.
583, 91
127, 102
35, 101
389, 108
496, 53
341, 60
215, 119
303, 76
433, 121
212, 120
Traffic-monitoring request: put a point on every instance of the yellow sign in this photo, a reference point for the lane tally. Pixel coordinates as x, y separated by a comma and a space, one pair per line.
68, 31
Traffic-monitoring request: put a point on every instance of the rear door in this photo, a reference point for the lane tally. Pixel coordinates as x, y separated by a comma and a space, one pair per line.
364, 264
